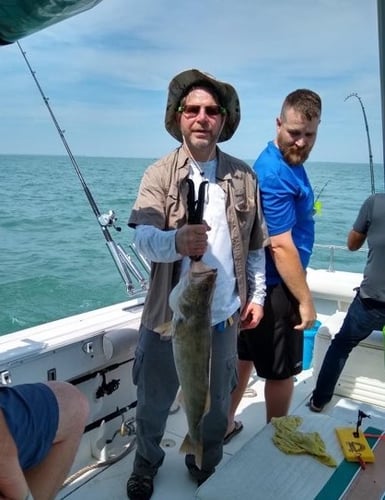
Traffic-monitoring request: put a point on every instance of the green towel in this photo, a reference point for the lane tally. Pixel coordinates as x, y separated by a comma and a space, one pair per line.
291, 441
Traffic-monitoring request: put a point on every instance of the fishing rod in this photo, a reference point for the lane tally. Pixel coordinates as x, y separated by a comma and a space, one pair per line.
354, 94
123, 261
322, 190
317, 201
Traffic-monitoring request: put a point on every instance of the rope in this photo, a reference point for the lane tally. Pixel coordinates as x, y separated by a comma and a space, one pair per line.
104, 463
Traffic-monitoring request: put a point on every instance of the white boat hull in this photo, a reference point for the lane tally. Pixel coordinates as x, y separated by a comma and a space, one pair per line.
95, 351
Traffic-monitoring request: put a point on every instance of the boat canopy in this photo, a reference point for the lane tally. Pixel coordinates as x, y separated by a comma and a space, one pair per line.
19, 18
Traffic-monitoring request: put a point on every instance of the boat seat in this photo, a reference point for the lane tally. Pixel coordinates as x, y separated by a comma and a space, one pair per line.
363, 377
120, 341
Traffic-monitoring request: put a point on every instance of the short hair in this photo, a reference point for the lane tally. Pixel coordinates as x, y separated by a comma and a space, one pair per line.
305, 101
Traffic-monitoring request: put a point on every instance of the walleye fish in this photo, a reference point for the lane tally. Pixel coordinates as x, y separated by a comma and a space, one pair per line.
190, 302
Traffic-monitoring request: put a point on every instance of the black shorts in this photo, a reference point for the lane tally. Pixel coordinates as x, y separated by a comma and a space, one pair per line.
275, 348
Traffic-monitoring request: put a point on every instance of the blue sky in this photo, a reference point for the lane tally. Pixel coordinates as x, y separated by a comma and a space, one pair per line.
106, 73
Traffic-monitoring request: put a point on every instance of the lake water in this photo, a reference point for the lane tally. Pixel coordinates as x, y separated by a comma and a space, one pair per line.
54, 260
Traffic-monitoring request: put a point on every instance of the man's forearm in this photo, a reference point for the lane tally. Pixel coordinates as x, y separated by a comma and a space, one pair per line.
290, 269
156, 245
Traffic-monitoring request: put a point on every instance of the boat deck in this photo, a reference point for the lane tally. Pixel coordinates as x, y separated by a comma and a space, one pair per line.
173, 480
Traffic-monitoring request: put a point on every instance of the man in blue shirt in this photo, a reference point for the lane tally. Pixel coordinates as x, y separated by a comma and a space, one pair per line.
275, 346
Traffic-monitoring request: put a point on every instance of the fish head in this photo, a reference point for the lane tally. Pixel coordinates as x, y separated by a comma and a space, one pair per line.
202, 286
194, 291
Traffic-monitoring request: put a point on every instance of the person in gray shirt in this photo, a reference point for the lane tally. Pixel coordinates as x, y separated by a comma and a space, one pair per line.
367, 311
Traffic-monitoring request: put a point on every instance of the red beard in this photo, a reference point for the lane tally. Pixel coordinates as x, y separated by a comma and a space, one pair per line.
293, 155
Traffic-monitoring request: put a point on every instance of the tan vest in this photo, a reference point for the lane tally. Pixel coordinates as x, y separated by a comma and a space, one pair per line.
162, 202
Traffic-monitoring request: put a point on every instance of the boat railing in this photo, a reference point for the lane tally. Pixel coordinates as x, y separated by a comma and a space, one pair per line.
132, 266
325, 256
338, 257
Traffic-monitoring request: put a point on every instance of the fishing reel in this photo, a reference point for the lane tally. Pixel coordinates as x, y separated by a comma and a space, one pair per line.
108, 220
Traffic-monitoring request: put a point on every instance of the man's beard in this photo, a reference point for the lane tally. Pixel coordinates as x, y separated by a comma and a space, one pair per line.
293, 155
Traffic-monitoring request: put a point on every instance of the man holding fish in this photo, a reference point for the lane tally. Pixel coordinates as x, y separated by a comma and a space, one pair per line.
197, 218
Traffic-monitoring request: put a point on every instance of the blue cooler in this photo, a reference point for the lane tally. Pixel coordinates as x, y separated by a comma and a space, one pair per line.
308, 345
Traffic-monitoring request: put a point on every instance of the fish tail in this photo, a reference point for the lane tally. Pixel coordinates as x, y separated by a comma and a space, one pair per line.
188, 447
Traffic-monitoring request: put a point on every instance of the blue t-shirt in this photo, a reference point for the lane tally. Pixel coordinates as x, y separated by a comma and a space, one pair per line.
288, 204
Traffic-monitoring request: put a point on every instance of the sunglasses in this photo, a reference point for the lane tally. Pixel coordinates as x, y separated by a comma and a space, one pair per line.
193, 110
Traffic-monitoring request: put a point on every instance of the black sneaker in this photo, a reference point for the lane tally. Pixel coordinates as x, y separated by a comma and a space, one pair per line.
196, 473
140, 487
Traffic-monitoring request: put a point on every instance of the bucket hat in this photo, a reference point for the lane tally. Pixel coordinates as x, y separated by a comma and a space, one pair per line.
179, 87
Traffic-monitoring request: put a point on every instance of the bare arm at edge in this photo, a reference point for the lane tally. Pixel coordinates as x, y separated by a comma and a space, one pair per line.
13, 485
355, 240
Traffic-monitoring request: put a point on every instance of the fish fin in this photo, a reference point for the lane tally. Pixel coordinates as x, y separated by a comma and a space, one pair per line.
180, 398
188, 446
198, 454
164, 329
208, 399
207, 404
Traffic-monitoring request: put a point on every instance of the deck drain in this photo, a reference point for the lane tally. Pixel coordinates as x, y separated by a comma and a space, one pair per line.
168, 443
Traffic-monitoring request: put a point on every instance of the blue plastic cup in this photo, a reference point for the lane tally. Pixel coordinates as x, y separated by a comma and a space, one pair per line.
308, 345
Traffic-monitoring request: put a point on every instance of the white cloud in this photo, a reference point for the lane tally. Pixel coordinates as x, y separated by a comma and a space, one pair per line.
106, 72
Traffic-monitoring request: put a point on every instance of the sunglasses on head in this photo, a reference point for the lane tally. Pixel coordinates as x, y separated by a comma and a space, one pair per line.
192, 110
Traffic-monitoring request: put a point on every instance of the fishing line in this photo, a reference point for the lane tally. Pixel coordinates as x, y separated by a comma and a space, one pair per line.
124, 263
354, 94
317, 201
322, 190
